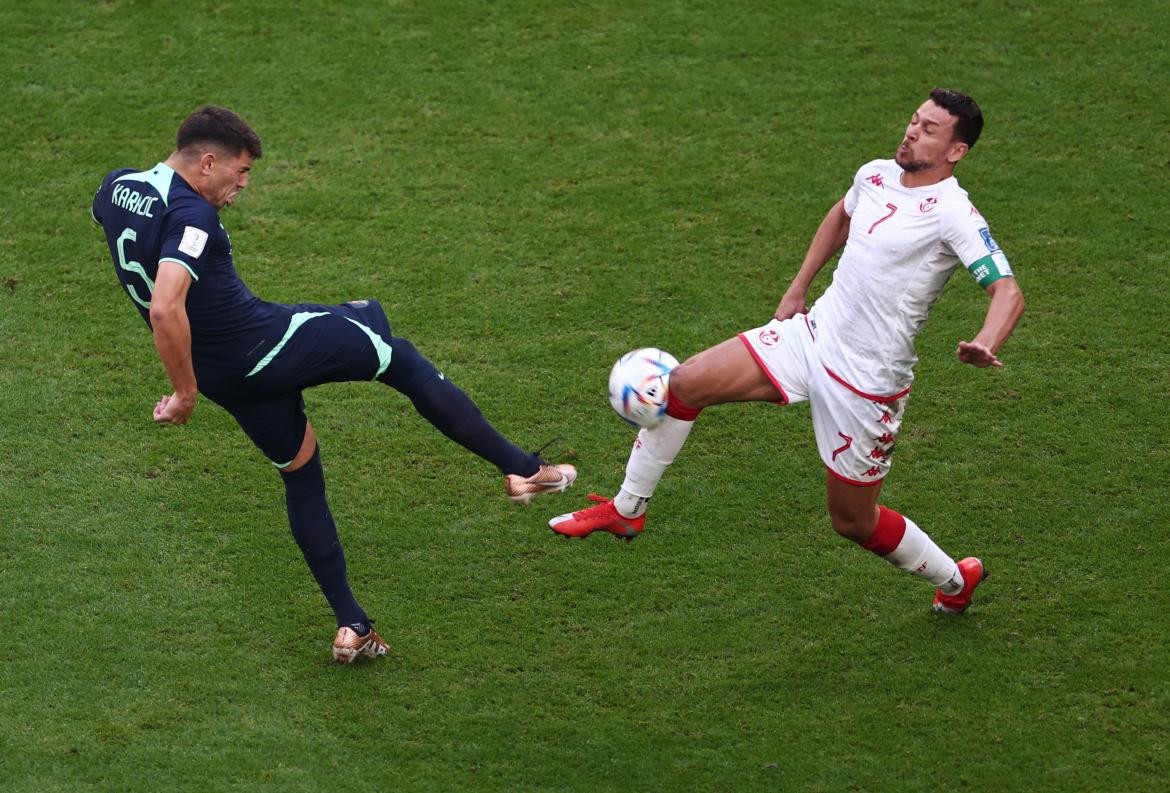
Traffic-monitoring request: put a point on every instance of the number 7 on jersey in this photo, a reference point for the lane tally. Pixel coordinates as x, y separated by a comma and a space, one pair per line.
884, 217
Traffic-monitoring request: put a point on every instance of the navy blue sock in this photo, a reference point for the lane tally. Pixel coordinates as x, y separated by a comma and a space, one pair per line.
313, 529
451, 411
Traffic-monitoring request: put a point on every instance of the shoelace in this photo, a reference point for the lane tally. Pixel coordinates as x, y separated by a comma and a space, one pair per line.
550, 443
602, 501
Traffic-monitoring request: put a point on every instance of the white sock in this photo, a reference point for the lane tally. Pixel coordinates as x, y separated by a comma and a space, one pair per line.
918, 555
653, 451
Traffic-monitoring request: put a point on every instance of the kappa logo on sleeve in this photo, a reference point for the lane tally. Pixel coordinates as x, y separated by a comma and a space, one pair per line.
194, 240
992, 246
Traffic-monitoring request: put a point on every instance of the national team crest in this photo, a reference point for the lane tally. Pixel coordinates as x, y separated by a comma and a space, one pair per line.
769, 337
928, 204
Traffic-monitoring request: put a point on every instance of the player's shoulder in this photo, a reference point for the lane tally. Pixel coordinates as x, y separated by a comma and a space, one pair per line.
952, 190
112, 177
117, 173
876, 171
962, 221
100, 196
955, 203
162, 181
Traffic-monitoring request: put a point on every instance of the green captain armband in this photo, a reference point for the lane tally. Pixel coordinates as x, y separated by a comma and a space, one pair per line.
990, 269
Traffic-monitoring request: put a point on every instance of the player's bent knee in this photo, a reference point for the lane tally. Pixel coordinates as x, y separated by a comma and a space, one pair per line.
852, 527
686, 384
698, 385
723, 373
306, 452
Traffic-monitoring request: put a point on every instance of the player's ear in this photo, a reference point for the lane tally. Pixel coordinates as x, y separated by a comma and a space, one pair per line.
206, 160
958, 150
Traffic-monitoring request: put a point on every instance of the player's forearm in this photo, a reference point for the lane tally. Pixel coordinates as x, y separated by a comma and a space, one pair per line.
172, 340
829, 238
1005, 310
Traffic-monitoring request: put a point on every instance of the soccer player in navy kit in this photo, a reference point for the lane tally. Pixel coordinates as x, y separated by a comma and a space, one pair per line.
214, 337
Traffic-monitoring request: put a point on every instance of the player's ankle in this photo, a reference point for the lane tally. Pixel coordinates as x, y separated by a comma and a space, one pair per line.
629, 505
953, 585
361, 627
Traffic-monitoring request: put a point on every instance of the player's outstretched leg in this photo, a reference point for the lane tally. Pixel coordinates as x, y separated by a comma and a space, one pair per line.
316, 534
654, 449
453, 413
726, 372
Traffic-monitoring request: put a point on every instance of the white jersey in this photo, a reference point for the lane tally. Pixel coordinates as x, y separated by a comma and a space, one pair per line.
903, 245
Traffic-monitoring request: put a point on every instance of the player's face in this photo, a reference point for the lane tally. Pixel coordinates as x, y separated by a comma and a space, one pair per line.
929, 141
226, 177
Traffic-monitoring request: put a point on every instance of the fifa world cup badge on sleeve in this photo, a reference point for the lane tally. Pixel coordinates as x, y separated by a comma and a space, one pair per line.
193, 242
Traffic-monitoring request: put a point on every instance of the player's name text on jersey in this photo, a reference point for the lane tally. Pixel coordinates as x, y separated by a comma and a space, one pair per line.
132, 200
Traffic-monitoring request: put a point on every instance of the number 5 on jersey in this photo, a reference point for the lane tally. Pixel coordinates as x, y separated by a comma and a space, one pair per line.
129, 235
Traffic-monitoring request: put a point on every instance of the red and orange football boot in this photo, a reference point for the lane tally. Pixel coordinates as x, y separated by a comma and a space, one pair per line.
603, 517
973, 574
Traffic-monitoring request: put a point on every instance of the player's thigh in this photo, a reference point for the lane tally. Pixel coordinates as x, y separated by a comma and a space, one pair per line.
855, 435
768, 364
326, 344
276, 424
723, 373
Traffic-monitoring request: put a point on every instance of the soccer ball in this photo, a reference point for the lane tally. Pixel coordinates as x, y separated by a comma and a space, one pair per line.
638, 386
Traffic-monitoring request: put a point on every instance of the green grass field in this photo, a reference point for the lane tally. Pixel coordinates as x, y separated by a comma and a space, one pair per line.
531, 190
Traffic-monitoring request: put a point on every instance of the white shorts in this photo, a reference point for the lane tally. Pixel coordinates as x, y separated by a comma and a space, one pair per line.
855, 433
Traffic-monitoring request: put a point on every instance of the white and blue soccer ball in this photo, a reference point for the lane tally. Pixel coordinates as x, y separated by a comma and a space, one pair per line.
638, 386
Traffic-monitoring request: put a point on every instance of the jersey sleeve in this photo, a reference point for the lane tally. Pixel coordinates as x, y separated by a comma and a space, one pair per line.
968, 236
102, 194
854, 193
864, 172
186, 235
94, 208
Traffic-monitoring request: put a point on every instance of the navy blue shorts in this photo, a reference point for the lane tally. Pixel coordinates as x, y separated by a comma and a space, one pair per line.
323, 344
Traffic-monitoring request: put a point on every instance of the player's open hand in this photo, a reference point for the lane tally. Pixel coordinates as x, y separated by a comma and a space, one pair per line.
976, 354
790, 306
174, 409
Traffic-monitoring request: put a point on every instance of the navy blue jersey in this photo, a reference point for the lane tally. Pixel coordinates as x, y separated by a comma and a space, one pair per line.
153, 216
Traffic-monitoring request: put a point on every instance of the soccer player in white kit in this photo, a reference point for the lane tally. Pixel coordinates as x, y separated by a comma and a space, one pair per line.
905, 225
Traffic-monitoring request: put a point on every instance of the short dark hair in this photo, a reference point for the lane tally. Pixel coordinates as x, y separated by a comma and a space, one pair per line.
221, 127
968, 116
